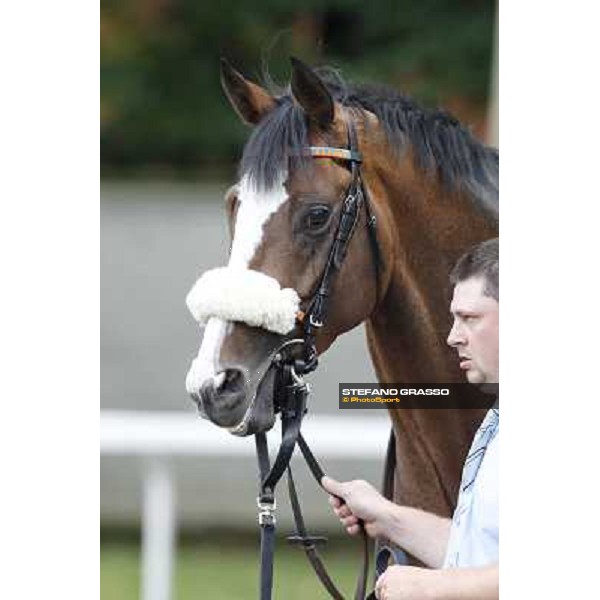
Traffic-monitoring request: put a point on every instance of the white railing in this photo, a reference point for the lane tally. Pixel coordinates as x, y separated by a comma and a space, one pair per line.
156, 436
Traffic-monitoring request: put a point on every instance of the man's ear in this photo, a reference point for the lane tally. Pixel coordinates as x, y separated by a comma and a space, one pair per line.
311, 94
250, 101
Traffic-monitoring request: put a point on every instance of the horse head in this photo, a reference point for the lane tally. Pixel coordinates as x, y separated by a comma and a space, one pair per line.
283, 215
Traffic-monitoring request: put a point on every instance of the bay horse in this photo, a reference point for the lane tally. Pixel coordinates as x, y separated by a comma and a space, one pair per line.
433, 189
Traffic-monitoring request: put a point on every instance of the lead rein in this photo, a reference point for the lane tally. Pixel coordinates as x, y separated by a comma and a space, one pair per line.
292, 406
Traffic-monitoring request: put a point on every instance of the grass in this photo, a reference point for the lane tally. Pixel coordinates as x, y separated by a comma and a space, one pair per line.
225, 566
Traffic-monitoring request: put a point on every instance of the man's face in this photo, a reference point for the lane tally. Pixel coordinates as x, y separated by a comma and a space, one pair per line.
474, 333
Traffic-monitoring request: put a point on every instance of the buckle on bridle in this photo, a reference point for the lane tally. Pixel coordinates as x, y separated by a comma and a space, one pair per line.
308, 541
315, 322
297, 378
280, 355
266, 514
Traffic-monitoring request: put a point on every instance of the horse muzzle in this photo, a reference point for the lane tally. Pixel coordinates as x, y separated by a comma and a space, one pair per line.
228, 401
222, 399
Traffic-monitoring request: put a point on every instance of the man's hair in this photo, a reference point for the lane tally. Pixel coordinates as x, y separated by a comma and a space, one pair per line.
481, 261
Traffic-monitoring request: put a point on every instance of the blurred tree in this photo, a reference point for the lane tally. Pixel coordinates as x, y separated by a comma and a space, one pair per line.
161, 101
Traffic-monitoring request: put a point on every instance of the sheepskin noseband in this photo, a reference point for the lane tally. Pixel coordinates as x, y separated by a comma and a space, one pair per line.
235, 294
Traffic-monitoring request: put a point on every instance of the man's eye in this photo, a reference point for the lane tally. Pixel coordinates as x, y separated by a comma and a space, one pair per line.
316, 219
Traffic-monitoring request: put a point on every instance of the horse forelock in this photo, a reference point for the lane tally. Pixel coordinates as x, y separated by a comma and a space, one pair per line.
439, 142
281, 135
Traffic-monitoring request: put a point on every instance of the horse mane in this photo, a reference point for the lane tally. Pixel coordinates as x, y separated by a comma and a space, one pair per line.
440, 143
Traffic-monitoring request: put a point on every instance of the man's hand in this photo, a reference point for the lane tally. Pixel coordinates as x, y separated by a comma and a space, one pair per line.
414, 583
421, 534
406, 583
360, 501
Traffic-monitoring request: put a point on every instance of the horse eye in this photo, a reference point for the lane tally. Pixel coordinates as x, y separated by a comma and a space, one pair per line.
316, 219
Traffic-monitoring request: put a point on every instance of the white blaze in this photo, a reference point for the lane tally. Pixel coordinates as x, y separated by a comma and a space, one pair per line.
203, 366
253, 212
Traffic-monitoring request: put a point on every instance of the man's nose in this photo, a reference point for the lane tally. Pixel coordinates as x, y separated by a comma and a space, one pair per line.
455, 336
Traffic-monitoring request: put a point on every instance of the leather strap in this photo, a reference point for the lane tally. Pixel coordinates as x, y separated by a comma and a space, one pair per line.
291, 402
386, 550
318, 474
293, 405
308, 543
267, 552
389, 468
356, 196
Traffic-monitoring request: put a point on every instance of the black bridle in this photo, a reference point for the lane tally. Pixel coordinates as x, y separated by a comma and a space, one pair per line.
291, 391
355, 197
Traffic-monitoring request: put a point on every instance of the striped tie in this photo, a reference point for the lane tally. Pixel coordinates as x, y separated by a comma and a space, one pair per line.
485, 434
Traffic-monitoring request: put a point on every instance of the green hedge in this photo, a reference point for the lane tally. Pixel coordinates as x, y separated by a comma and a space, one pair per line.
162, 104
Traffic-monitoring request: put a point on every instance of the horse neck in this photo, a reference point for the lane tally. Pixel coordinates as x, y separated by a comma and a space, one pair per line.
429, 227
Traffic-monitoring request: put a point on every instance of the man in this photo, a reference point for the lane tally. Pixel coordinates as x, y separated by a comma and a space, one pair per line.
463, 553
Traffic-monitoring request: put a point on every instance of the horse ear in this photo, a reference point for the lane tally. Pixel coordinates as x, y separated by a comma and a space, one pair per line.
250, 101
310, 92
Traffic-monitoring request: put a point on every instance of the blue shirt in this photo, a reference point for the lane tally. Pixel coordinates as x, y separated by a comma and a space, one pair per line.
474, 531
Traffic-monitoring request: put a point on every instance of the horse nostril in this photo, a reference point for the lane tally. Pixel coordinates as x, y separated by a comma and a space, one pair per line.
198, 400
230, 380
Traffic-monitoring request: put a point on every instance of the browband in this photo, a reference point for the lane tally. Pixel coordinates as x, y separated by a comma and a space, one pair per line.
328, 152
